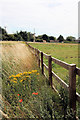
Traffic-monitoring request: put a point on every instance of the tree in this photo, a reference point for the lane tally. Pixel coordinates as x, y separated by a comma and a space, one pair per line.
60, 38
3, 34
70, 38
39, 40
3, 31
45, 37
52, 38
39, 37
4, 37
10, 37
18, 37
23, 35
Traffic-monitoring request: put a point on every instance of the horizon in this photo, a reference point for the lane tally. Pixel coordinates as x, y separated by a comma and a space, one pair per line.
38, 35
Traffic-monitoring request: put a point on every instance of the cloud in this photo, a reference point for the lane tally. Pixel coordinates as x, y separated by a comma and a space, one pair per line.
52, 17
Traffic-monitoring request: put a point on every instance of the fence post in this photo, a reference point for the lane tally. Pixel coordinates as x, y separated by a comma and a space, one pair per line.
50, 69
33, 50
38, 58
42, 69
72, 86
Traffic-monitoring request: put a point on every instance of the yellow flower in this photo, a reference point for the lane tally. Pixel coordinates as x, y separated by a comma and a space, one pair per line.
37, 74
18, 75
25, 72
28, 76
11, 76
21, 80
29, 72
34, 71
14, 79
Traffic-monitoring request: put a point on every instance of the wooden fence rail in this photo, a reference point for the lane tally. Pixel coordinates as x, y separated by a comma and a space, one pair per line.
73, 71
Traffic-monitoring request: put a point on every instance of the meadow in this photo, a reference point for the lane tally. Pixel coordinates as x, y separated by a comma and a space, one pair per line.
25, 91
65, 52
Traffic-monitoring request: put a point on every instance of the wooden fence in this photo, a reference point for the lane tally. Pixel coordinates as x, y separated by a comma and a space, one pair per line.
73, 71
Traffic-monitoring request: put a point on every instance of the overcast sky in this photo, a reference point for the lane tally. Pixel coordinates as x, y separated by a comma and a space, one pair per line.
51, 17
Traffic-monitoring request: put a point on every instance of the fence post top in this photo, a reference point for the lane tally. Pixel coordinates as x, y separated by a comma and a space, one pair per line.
38, 50
49, 56
72, 65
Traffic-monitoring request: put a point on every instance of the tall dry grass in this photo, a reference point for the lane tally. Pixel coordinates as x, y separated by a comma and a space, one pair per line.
16, 58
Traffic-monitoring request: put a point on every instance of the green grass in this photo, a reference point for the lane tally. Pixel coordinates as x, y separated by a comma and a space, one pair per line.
17, 59
63, 51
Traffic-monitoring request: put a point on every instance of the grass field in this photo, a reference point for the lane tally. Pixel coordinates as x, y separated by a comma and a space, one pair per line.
64, 52
25, 91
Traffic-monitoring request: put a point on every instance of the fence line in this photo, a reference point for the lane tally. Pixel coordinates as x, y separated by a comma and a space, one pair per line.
73, 71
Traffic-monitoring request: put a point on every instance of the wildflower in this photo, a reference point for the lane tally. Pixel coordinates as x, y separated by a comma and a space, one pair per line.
21, 80
24, 72
18, 94
27, 76
29, 72
20, 100
34, 71
18, 75
35, 93
11, 76
14, 79
37, 74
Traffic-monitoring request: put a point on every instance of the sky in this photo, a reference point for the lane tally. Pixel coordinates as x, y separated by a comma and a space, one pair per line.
79, 19
51, 17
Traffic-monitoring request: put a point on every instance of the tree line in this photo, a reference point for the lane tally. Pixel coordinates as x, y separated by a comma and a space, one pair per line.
18, 36
28, 36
